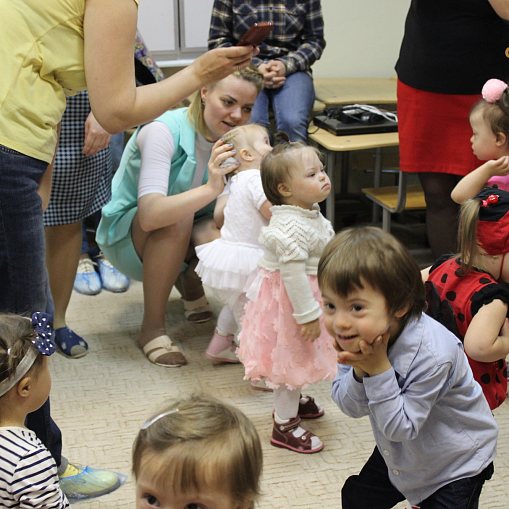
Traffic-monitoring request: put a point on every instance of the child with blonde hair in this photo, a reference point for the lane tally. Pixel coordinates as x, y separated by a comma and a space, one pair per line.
228, 264
489, 119
435, 435
28, 472
197, 452
282, 338
466, 294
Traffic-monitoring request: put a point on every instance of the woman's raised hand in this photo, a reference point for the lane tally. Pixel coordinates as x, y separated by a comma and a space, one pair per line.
216, 64
220, 152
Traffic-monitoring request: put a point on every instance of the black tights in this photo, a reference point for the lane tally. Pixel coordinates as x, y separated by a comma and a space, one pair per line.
441, 212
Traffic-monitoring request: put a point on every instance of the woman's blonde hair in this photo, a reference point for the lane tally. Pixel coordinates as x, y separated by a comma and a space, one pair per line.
277, 165
374, 256
203, 443
195, 113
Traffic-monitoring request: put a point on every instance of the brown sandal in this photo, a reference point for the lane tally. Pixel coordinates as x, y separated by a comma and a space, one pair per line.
282, 436
310, 410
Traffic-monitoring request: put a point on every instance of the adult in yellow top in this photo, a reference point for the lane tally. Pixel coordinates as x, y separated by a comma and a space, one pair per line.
50, 48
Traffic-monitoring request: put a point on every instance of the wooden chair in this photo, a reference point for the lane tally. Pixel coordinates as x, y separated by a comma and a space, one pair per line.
396, 199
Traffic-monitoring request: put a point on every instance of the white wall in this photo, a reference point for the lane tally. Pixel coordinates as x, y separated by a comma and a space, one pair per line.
363, 38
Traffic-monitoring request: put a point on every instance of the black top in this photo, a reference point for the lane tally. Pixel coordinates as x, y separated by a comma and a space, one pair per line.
453, 46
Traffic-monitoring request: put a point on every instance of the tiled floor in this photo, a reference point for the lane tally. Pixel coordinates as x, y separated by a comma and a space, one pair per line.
100, 400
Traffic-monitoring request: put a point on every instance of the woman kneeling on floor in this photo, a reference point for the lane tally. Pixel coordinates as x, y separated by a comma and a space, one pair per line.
163, 197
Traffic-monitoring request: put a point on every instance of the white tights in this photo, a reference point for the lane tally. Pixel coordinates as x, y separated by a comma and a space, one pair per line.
286, 402
229, 319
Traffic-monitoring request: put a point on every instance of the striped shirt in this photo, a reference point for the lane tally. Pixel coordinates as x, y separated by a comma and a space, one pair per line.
28, 472
296, 39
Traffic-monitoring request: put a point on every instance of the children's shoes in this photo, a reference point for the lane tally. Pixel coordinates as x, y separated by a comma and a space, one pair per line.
288, 434
222, 349
309, 408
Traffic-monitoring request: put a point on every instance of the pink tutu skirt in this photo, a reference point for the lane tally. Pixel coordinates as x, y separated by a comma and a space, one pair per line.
271, 345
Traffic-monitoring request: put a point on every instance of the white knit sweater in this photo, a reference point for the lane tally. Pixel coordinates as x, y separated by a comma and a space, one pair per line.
294, 241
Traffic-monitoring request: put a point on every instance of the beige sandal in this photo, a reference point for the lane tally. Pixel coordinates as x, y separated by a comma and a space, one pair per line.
197, 311
162, 346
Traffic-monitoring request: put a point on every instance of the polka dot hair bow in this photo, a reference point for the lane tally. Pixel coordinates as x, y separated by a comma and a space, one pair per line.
43, 334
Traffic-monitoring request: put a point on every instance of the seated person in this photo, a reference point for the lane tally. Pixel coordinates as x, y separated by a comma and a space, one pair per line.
285, 58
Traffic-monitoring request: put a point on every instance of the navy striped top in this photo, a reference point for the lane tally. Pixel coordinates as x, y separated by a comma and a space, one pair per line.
28, 472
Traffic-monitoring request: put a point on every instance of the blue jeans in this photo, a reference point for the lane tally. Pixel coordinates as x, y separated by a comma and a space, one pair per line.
291, 105
372, 488
23, 275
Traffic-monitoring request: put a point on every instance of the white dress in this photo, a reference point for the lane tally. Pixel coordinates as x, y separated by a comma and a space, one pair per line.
228, 265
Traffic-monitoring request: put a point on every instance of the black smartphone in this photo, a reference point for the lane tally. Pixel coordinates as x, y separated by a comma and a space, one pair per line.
256, 34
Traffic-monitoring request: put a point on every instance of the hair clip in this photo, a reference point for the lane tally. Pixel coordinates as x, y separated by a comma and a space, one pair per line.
149, 423
43, 335
492, 90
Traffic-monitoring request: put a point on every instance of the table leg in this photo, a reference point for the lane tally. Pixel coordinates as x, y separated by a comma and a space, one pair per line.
345, 160
377, 182
330, 163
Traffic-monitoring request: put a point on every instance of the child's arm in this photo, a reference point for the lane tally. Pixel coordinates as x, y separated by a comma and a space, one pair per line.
265, 209
487, 336
306, 310
219, 210
472, 183
36, 481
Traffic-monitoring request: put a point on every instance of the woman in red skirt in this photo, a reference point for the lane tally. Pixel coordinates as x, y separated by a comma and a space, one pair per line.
448, 52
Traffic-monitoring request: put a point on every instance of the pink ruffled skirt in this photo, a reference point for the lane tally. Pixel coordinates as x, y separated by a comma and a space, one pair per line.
271, 345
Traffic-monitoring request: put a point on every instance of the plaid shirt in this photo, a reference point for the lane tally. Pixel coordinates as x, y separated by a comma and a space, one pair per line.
296, 39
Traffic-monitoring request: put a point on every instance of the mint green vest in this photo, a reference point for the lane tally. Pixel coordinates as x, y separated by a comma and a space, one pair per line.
118, 214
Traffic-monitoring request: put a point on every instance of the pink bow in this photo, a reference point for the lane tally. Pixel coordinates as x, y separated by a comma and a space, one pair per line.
492, 90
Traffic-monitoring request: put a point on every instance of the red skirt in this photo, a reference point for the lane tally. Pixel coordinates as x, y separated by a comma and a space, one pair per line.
435, 132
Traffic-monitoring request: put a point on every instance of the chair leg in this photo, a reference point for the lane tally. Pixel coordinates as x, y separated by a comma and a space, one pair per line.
386, 221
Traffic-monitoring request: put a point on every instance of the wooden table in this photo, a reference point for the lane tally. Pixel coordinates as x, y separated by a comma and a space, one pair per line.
336, 91
331, 145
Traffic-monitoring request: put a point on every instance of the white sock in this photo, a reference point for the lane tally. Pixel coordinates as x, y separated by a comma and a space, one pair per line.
286, 402
226, 322
298, 431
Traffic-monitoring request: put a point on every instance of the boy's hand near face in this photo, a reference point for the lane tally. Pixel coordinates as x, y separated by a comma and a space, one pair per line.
370, 361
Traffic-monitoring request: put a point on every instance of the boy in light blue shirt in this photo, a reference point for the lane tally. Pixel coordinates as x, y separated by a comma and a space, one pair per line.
435, 435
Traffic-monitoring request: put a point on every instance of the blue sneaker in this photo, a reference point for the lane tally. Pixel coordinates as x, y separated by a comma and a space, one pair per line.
112, 280
70, 344
87, 280
80, 483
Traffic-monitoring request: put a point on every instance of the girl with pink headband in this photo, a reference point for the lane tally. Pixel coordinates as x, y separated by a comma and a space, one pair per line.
489, 119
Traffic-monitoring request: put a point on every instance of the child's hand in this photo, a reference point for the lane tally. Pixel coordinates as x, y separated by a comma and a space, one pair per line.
311, 330
372, 359
498, 167
220, 152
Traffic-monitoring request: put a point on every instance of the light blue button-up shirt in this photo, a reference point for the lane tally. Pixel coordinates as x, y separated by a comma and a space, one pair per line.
430, 419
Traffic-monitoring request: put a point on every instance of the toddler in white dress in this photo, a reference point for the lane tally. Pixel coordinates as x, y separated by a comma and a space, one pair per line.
228, 265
